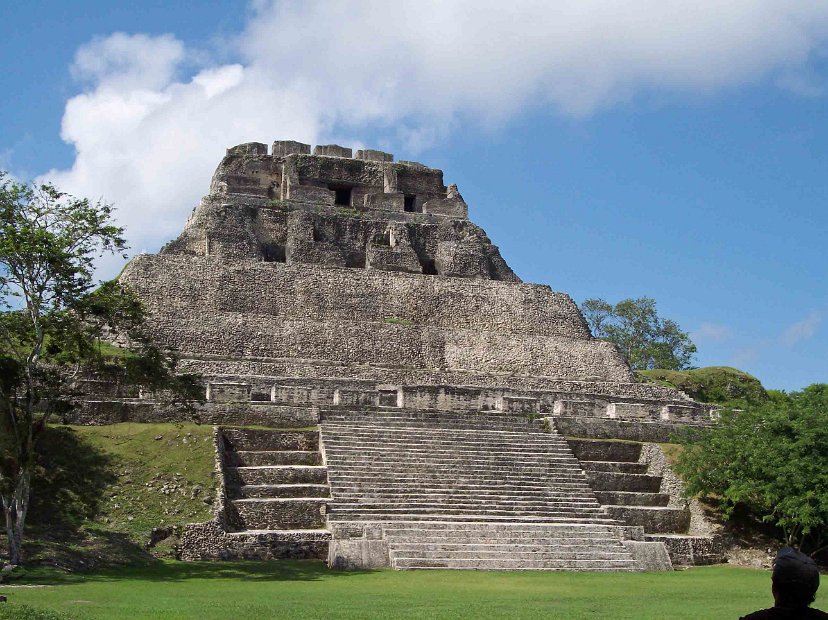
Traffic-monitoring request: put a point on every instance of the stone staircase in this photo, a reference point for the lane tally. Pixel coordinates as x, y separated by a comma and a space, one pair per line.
623, 486
276, 484
467, 491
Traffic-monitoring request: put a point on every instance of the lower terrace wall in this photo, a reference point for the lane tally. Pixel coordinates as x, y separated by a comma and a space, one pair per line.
296, 402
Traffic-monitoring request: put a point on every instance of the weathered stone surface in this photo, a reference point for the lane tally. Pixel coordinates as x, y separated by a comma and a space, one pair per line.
354, 291
649, 556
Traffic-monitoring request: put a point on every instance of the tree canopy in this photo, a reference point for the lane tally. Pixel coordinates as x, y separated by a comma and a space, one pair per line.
770, 459
53, 321
644, 338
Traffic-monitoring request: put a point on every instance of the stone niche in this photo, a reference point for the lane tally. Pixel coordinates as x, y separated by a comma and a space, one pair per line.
228, 392
574, 408
627, 411
389, 396
519, 404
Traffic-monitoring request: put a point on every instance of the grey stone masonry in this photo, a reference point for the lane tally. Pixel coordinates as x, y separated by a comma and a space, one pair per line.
482, 491
315, 285
627, 487
274, 495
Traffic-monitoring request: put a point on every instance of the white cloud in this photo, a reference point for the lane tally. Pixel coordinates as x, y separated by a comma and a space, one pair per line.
714, 332
120, 61
801, 330
154, 117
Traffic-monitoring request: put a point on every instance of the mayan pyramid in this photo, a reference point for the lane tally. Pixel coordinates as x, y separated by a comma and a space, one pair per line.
451, 415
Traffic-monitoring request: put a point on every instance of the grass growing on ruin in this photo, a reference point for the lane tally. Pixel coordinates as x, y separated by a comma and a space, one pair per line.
100, 490
308, 590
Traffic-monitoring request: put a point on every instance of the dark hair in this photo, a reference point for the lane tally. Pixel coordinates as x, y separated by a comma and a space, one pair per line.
794, 593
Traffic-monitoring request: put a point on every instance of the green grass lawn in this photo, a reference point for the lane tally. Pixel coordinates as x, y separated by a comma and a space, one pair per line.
308, 590
99, 490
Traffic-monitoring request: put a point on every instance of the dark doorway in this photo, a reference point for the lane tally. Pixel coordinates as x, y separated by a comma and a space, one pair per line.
429, 268
342, 195
273, 252
409, 203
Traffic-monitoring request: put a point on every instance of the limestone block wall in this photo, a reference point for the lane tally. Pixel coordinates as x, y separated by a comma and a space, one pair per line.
198, 287
330, 208
283, 232
246, 309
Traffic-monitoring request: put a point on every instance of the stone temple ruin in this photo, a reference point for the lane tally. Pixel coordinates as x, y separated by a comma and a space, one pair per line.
387, 392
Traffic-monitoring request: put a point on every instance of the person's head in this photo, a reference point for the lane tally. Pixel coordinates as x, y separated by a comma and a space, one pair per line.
795, 578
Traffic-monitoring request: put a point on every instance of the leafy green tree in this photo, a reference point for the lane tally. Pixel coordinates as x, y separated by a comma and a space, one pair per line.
770, 459
645, 339
52, 320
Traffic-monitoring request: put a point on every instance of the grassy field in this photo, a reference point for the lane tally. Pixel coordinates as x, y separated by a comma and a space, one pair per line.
297, 590
99, 490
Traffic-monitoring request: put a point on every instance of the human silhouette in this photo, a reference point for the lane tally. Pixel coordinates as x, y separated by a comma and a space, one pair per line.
794, 584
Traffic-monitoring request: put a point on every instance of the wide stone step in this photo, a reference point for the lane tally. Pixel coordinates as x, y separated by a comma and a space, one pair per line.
511, 552
349, 496
275, 457
558, 473
654, 519
417, 539
615, 466
397, 506
449, 485
448, 450
275, 514
550, 530
455, 453
247, 439
264, 491
414, 439
471, 458
460, 434
379, 477
488, 495
348, 515
610, 481
277, 474
514, 564
632, 498
598, 450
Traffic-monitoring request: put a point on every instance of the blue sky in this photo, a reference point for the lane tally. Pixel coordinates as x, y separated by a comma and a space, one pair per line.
664, 149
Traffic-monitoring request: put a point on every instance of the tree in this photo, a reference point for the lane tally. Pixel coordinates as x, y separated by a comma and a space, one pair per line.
771, 460
645, 339
52, 320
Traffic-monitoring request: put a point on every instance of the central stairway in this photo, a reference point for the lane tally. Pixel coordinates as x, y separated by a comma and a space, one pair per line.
467, 491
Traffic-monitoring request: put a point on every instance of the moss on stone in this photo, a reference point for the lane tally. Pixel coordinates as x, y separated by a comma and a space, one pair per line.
714, 384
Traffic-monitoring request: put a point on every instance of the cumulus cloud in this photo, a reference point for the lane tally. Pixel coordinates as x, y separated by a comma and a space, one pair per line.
801, 330
153, 117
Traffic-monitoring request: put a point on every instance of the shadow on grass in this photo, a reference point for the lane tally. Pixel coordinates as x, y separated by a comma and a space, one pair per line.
174, 571
69, 482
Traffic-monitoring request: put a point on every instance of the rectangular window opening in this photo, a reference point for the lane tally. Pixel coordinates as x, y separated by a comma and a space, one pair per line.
273, 253
342, 195
409, 203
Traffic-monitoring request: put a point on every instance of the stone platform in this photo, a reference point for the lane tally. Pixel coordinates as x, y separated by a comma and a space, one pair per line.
431, 393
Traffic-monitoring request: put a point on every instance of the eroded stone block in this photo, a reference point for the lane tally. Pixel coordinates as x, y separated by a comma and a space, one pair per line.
290, 147
372, 155
228, 392
332, 150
